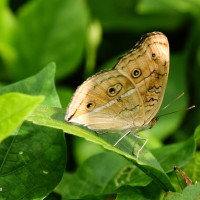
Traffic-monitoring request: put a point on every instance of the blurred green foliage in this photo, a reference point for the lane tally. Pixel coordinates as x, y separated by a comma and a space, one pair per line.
82, 37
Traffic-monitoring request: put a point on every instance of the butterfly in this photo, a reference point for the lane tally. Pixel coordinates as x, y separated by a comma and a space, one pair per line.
126, 98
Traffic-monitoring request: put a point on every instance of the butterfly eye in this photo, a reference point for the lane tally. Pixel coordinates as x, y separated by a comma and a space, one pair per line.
114, 90
136, 73
153, 55
90, 106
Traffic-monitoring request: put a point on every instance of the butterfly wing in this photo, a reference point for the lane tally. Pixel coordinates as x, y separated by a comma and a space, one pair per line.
147, 67
106, 101
127, 96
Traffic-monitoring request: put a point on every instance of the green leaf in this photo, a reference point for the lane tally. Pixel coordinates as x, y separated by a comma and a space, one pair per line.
7, 22
192, 169
136, 15
129, 193
105, 179
190, 192
54, 117
177, 7
7, 31
15, 107
178, 154
55, 31
32, 161
197, 133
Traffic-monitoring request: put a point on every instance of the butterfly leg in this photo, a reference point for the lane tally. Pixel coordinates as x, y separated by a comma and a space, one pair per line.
125, 134
145, 141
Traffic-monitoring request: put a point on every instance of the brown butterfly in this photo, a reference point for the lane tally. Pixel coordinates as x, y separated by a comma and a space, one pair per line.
127, 97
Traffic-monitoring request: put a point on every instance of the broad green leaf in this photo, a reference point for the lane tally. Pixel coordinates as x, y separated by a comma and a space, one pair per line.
190, 192
54, 117
131, 15
178, 154
192, 169
176, 7
197, 133
50, 31
32, 161
15, 107
83, 149
7, 32
7, 22
111, 172
128, 193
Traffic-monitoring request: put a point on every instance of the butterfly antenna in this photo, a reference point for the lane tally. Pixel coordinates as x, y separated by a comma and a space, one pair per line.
178, 97
189, 108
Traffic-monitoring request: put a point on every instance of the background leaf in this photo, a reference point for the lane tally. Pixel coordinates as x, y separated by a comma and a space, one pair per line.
15, 108
190, 192
105, 179
55, 31
32, 160
130, 193
178, 154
